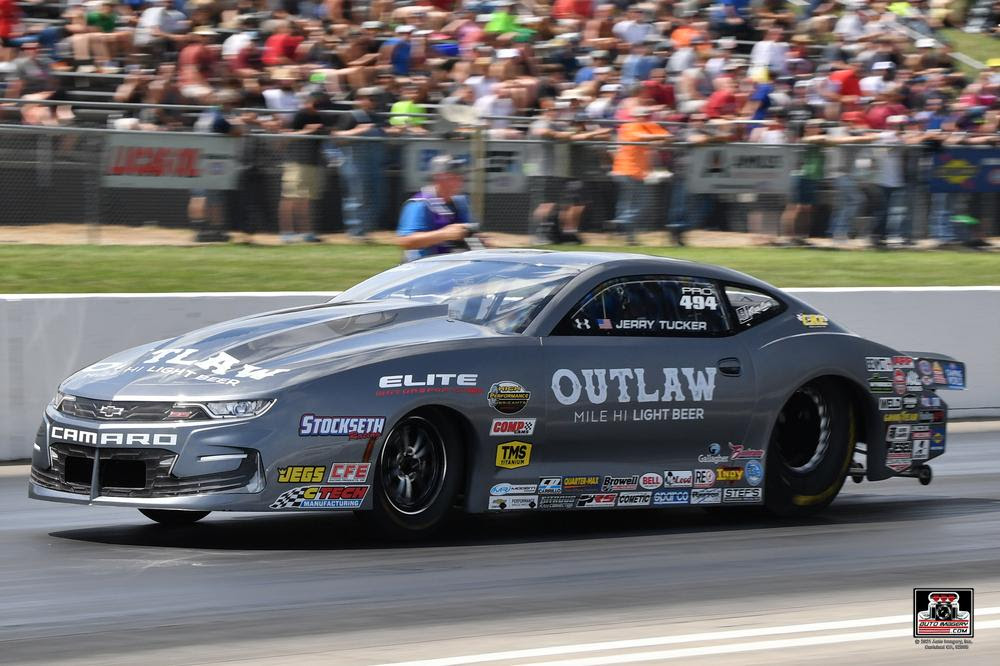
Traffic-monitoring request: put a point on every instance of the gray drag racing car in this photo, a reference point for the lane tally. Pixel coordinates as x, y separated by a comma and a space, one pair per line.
499, 381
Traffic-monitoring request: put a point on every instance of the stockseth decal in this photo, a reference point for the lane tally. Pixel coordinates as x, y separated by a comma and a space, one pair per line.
631, 385
352, 427
511, 455
513, 503
322, 497
301, 474
664, 497
736, 495
93, 438
512, 427
349, 472
508, 397
678, 479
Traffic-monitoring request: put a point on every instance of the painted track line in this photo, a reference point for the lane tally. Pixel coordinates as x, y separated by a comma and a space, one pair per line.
662, 655
557, 650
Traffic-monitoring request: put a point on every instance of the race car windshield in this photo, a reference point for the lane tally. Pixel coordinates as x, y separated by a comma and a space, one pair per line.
503, 295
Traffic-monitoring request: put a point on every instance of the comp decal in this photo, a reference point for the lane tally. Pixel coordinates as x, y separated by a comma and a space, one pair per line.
322, 497
512, 428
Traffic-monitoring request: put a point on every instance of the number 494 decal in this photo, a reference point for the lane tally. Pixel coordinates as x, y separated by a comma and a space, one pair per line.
698, 302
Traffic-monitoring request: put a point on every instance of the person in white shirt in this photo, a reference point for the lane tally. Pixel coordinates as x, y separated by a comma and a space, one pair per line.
771, 53
159, 26
880, 80
891, 219
636, 28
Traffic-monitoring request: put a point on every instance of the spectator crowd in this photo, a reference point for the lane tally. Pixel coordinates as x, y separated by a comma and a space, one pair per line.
833, 76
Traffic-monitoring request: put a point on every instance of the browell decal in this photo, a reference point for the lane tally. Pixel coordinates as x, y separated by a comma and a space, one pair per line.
512, 427
64, 434
613, 483
508, 397
352, 427
322, 497
633, 385
511, 455
706, 496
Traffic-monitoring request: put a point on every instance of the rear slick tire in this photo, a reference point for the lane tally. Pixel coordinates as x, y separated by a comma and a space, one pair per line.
174, 517
417, 478
810, 451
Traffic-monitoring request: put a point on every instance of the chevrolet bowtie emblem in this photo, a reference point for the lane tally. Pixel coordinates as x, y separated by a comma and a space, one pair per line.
110, 411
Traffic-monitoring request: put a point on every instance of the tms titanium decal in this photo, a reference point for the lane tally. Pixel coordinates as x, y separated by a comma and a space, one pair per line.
511, 455
63, 434
352, 427
569, 389
512, 427
508, 397
322, 497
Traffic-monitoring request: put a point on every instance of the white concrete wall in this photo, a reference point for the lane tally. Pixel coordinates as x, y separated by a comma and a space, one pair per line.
45, 338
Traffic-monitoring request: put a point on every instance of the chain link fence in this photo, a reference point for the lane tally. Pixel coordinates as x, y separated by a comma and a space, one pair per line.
63, 176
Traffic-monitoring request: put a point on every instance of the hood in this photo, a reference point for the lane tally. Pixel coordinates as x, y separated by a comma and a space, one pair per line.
254, 356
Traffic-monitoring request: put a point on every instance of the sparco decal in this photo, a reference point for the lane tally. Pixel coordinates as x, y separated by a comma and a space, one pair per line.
740, 452
352, 427
508, 397
63, 434
613, 483
663, 497
510, 427
632, 384
322, 497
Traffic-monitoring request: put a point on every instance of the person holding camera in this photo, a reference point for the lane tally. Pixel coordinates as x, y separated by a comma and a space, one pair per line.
437, 219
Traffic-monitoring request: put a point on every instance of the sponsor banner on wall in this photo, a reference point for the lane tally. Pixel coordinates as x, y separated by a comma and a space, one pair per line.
504, 163
171, 161
966, 170
741, 168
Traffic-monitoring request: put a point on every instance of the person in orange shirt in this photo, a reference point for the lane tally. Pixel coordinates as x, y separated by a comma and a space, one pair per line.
633, 162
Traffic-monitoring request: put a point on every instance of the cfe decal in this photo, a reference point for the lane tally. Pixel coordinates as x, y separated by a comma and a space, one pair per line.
632, 384
813, 320
508, 397
511, 455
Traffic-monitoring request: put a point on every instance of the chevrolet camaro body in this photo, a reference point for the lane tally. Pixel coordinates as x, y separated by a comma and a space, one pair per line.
570, 380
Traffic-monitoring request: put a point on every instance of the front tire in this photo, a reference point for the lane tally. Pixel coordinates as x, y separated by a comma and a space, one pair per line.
173, 517
810, 450
418, 476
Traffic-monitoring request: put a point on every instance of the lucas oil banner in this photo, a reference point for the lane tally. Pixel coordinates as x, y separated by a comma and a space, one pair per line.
171, 161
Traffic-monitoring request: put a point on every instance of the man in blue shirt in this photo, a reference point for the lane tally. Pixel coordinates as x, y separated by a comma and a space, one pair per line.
397, 51
437, 219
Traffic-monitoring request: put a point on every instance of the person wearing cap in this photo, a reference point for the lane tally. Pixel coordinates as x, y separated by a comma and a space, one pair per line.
207, 208
196, 64
398, 51
632, 163
598, 59
361, 174
891, 219
437, 219
302, 171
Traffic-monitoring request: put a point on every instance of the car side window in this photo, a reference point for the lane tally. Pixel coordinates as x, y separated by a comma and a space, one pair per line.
750, 306
648, 306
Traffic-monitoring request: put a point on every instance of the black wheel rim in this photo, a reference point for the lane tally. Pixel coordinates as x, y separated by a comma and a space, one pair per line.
802, 433
413, 465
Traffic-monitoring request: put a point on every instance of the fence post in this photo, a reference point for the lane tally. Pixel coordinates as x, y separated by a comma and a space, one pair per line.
479, 173
94, 194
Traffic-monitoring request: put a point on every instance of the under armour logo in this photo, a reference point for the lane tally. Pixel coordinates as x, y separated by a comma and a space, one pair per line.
582, 323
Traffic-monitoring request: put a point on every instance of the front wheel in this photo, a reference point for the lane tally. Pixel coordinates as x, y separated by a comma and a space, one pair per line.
417, 478
173, 517
810, 450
